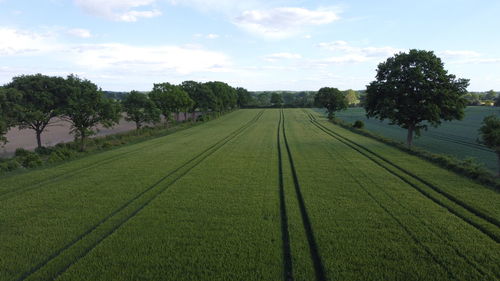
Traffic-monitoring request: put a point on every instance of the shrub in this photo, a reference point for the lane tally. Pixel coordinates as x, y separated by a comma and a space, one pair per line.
358, 124
21, 152
43, 150
31, 160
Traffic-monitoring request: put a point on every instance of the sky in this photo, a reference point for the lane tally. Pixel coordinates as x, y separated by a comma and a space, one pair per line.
124, 45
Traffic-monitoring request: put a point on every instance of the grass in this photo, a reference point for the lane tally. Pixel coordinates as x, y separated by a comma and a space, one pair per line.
456, 138
255, 195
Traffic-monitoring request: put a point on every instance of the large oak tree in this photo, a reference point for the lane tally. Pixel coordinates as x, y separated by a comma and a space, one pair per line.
42, 99
413, 91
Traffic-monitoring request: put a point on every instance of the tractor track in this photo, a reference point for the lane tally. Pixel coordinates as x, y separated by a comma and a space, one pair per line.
380, 160
109, 224
313, 246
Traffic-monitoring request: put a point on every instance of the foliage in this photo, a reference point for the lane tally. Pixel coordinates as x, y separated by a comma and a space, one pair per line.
490, 134
352, 97
332, 99
276, 100
202, 96
225, 96
8, 100
244, 97
87, 107
413, 90
170, 99
41, 99
140, 109
358, 124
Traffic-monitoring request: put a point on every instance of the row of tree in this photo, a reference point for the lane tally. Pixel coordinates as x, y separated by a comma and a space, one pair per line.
35, 101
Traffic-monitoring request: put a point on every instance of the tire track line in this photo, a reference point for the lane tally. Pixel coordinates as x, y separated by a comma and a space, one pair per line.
18, 191
466, 207
313, 246
102, 224
285, 234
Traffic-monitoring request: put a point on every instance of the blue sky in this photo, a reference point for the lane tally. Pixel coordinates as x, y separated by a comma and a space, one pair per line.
260, 45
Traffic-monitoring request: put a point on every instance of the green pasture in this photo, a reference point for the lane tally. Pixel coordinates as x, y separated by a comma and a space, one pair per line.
456, 138
254, 195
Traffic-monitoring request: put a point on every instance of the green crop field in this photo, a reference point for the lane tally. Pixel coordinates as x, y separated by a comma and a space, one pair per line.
254, 195
456, 138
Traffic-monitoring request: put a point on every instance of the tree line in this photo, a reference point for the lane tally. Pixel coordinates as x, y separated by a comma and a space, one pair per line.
34, 101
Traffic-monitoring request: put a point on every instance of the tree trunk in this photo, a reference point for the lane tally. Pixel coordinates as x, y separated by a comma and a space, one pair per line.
409, 137
498, 157
166, 119
193, 116
185, 116
138, 125
82, 141
39, 138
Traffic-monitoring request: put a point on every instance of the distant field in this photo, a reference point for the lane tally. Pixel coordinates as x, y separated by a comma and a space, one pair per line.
254, 195
457, 138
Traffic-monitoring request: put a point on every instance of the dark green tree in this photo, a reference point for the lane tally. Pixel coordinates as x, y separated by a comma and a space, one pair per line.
87, 107
413, 90
9, 100
490, 135
244, 97
276, 100
202, 96
490, 95
225, 96
140, 109
42, 99
332, 99
170, 99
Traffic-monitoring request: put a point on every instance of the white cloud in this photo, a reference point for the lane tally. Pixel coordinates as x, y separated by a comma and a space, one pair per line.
279, 56
79, 32
222, 6
120, 10
207, 36
283, 22
343, 46
212, 36
458, 54
183, 60
466, 57
16, 42
346, 53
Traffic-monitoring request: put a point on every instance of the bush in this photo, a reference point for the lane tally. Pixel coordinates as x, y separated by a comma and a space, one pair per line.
21, 152
43, 150
63, 153
31, 160
9, 165
358, 124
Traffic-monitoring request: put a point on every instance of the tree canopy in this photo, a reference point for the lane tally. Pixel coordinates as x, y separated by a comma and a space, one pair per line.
276, 100
490, 134
87, 107
140, 109
413, 91
9, 99
42, 98
332, 99
170, 99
